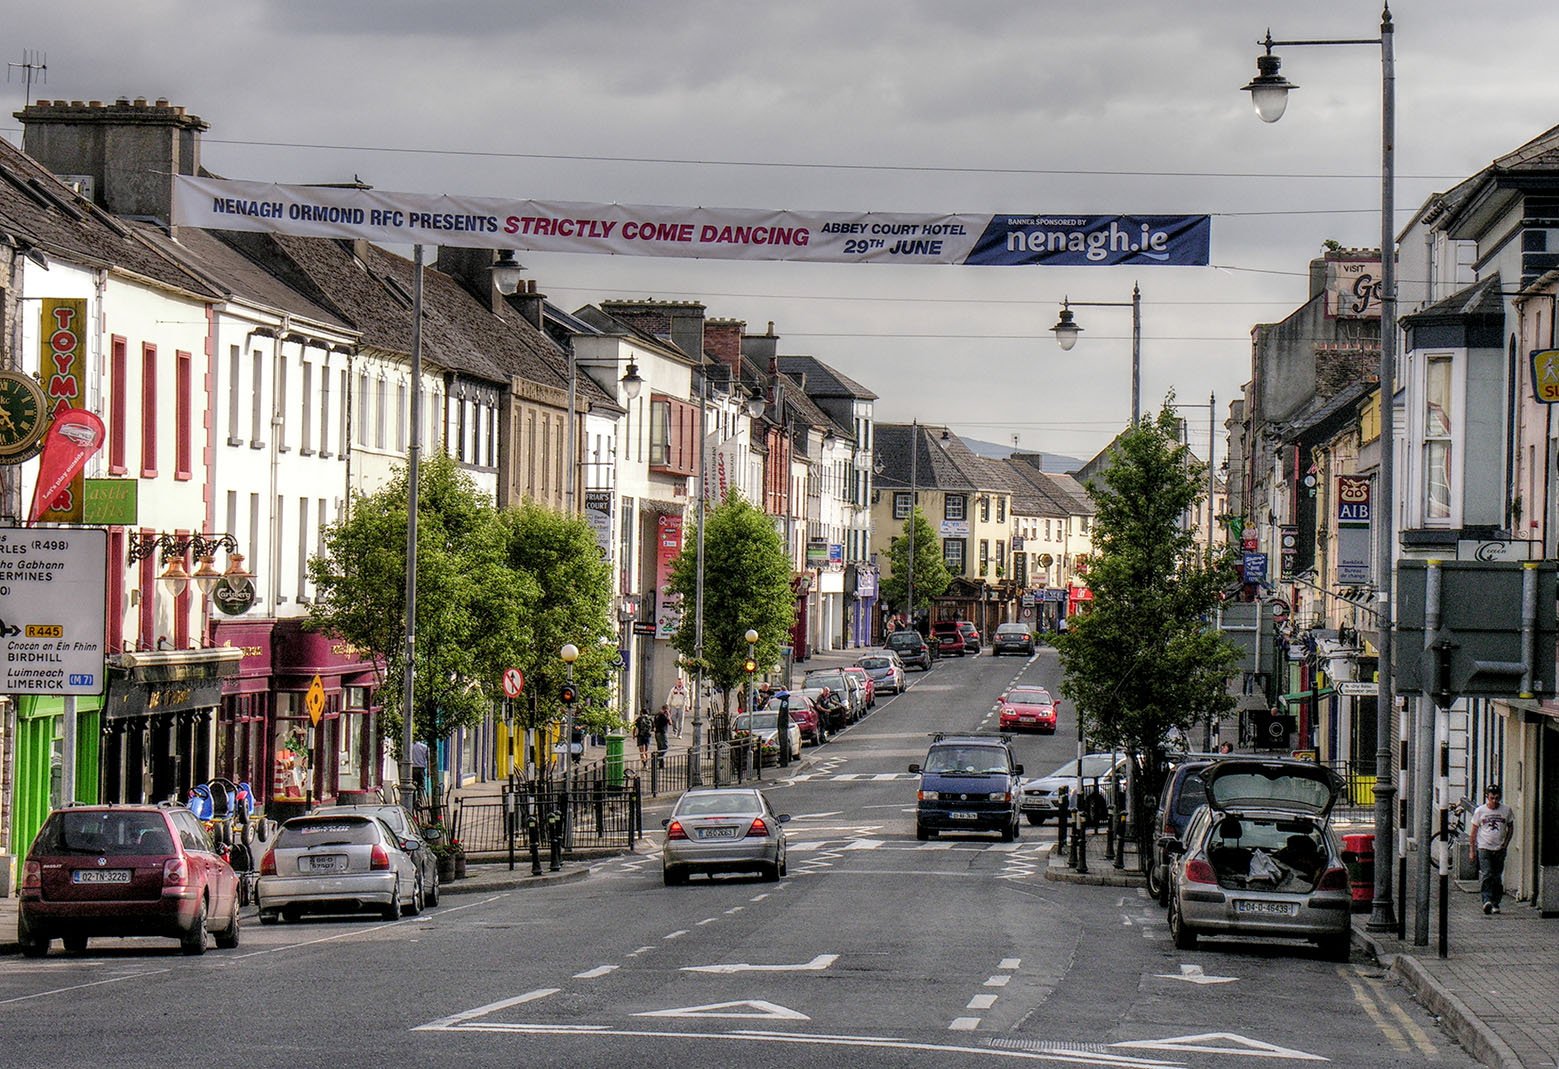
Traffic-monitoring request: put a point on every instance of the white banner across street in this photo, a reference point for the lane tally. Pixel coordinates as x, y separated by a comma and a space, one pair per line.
713, 233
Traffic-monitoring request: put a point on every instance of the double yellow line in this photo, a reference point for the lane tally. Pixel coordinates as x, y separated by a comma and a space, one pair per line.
1400, 1030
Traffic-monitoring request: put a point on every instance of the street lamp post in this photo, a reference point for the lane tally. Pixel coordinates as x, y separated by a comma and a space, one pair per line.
752, 665
569, 654
1066, 331
1269, 93
914, 529
413, 459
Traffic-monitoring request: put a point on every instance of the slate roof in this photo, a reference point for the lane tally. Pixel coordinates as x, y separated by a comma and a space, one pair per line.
822, 380
934, 469
1482, 298
38, 211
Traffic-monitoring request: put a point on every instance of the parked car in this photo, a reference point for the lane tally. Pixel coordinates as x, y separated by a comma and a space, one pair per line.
968, 783
764, 725
911, 648
723, 829
1260, 858
948, 637
343, 863
1042, 796
125, 870
843, 684
1030, 708
1182, 795
971, 636
400, 823
1012, 638
833, 708
885, 670
803, 713
868, 685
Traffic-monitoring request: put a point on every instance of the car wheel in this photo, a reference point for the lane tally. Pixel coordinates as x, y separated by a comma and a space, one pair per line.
269, 916
392, 912
1158, 890
673, 877
1337, 947
431, 897
293, 914
771, 872
1035, 818
920, 832
194, 941
227, 938
32, 943
416, 898
75, 944
784, 866
1182, 933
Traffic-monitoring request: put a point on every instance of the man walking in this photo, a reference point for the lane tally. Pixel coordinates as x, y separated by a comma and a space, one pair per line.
676, 704
1488, 837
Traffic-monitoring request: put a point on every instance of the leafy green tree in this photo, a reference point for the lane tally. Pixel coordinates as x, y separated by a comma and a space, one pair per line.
746, 585
559, 553
931, 574
469, 600
1142, 659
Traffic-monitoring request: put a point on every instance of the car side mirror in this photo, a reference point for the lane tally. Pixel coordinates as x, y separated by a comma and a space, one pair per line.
666, 823
410, 846
1174, 847
914, 768
1017, 770
784, 818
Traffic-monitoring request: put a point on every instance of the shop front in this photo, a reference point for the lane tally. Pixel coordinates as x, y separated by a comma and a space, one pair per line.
861, 585
159, 723
38, 756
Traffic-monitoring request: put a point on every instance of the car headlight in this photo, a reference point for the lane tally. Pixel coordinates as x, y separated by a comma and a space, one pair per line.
930, 796
1001, 796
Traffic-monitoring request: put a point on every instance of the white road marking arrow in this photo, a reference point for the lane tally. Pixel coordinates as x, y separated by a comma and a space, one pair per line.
754, 1009
1193, 974
817, 964
1227, 1043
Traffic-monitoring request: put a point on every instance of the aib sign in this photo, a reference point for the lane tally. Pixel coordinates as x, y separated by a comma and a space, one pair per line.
1353, 500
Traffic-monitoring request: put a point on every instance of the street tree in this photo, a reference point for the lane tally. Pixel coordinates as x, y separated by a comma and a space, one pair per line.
1143, 659
469, 600
931, 574
746, 586
558, 552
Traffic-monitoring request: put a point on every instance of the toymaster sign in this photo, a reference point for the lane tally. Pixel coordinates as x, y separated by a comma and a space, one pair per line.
1062, 239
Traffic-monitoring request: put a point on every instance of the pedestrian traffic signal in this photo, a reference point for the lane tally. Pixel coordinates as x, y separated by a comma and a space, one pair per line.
750, 665
568, 694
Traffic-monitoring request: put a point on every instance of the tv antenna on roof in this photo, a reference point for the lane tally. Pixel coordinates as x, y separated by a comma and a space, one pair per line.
33, 62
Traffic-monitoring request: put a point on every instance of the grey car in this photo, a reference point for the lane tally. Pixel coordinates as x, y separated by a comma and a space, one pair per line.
1041, 798
886, 670
411, 840
1260, 858
723, 829
345, 863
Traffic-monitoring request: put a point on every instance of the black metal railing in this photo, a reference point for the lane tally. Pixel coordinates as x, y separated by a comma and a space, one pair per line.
589, 817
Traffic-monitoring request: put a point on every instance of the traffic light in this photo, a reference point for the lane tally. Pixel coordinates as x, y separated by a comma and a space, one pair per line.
568, 695
750, 665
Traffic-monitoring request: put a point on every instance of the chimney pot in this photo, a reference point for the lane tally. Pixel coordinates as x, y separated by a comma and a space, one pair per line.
94, 103
162, 102
140, 102
122, 102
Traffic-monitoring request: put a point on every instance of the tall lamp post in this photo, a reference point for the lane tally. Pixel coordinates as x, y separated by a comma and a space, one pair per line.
751, 665
1066, 331
1269, 93
569, 654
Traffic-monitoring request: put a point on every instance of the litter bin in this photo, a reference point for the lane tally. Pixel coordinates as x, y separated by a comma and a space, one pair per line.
1358, 855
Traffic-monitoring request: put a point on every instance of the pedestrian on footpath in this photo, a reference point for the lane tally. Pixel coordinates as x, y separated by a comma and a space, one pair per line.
676, 704
1488, 837
662, 726
643, 727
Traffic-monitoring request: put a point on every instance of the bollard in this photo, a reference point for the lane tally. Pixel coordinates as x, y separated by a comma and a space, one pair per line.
555, 838
533, 833
1080, 834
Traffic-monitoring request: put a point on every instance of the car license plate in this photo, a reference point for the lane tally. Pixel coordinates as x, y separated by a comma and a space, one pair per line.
1270, 909
718, 833
963, 816
100, 876
326, 863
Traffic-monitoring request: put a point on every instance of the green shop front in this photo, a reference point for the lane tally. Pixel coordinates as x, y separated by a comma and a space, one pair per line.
38, 777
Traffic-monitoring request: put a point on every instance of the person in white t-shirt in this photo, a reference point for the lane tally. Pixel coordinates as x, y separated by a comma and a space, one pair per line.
1488, 837
676, 705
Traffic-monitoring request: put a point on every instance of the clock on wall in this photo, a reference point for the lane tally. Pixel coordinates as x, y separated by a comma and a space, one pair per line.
24, 417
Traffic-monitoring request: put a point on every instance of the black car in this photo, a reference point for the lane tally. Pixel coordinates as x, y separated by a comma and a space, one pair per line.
1012, 638
1183, 794
912, 649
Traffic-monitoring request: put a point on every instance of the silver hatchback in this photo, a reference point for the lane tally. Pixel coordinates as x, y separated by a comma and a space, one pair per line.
1260, 859
335, 864
723, 829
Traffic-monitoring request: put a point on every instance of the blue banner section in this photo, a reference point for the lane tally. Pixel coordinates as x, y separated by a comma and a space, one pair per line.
1094, 240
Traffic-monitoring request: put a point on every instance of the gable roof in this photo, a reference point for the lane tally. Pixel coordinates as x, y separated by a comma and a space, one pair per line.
932, 470
822, 380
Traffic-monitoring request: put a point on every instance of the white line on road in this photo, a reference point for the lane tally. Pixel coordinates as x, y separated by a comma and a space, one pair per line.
736, 909
641, 950
997, 981
817, 964
491, 1007
78, 987
1010, 963
591, 974
678, 934
707, 920
964, 1024
981, 1002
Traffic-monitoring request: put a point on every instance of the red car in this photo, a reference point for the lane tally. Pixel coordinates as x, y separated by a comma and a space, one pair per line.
803, 713
869, 685
1030, 708
948, 636
125, 870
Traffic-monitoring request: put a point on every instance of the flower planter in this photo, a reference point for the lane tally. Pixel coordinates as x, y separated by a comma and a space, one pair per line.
460, 866
446, 867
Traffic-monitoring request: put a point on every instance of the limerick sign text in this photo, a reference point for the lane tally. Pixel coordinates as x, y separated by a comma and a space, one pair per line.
51, 610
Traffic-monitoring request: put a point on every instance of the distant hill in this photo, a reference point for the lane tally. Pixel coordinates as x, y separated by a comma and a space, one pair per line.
1052, 462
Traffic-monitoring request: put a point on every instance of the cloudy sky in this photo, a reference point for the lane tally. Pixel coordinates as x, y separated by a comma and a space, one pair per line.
1012, 106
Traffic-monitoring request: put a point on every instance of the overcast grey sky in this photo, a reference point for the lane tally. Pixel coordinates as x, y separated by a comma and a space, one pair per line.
912, 106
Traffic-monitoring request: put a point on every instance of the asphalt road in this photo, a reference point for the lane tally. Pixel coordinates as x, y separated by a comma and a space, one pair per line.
875, 950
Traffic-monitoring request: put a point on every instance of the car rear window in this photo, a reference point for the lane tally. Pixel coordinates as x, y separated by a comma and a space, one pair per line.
876, 662
100, 832
709, 803
831, 678
337, 831
1011, 629
758, 721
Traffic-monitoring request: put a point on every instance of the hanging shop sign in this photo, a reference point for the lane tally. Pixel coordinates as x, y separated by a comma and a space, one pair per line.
598, 514
1353, 530
62, 364
1059, 239
668, 606
1545, 376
